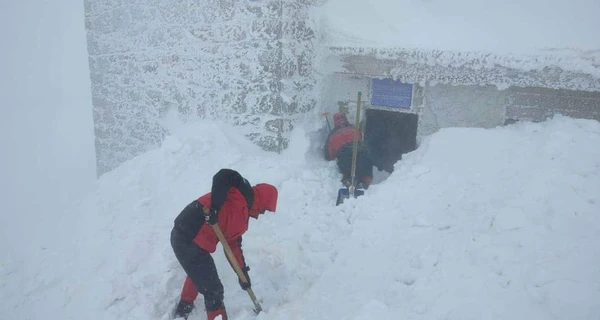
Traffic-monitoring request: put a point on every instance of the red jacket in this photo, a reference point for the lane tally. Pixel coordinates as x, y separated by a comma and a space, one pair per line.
233, 221
233, 217
337, 139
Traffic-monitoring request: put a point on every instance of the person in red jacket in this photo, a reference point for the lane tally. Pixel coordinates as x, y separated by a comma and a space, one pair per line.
231, 202
339, 146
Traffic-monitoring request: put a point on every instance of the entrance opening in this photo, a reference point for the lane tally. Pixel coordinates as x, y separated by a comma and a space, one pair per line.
388, 135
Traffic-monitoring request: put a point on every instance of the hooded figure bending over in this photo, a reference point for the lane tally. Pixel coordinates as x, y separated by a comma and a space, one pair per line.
339, 146
231, 202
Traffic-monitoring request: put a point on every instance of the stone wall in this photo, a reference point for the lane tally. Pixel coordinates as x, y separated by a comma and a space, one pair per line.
537, 104
245, 62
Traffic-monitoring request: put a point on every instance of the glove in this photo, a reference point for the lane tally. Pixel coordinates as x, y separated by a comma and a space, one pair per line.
245, 286
212, 217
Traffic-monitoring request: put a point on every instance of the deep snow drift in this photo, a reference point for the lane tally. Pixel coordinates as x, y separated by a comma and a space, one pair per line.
475, 224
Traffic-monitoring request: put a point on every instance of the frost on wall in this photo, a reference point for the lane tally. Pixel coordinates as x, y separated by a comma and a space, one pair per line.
472, 68
246, 62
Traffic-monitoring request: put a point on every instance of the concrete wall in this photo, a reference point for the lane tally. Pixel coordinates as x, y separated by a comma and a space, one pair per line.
446, 105
536, 104
461, 106
438, 106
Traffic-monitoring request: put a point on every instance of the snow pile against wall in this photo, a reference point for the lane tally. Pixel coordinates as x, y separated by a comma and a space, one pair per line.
472, 221
246, 62
521, 43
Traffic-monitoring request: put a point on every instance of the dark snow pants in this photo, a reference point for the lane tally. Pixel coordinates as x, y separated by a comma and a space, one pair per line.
364, 166
199, 266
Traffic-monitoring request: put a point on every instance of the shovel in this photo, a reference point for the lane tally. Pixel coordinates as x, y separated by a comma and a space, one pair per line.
345, 193
236, 266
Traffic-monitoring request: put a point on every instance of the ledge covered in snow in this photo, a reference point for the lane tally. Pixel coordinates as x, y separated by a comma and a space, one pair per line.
563, 71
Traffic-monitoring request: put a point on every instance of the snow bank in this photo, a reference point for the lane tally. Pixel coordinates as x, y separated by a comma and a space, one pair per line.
476, 224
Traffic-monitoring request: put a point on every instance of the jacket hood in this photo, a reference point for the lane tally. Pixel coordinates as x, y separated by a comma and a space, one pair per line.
339, 120
265, 198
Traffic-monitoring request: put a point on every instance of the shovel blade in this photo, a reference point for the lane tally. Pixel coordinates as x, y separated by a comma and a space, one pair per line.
344, 193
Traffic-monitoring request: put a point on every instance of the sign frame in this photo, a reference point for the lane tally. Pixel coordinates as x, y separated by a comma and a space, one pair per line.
391, 93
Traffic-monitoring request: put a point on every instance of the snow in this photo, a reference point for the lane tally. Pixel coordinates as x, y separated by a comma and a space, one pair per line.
218, 59
475, 224
46, 129
496, 223
487, 36
506, 27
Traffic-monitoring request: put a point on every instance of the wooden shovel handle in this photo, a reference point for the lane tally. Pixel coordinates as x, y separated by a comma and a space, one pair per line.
236, 266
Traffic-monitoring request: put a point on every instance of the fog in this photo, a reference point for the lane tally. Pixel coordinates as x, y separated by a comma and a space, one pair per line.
46, 128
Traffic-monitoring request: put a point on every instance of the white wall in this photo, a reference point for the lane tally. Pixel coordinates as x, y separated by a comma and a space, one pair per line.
461, 106
442, 106
46, 129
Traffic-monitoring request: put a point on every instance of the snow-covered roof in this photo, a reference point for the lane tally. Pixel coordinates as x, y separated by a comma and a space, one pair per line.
501, 27
420, 66
554, 44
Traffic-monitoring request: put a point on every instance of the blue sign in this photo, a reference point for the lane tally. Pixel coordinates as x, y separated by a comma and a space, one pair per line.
391, 93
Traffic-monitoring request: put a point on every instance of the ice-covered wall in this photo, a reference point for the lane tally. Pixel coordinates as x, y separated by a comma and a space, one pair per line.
572, 72
242, 61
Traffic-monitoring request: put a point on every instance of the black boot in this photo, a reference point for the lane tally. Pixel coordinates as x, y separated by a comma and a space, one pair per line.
184, 309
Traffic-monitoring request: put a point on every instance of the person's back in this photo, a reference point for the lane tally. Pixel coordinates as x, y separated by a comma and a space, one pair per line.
339, 146
342, 134
338, 139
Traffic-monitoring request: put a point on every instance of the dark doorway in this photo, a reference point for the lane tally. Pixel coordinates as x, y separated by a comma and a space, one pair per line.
388, 135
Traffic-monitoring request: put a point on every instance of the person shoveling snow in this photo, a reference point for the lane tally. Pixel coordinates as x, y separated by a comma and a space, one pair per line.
220, 215
338, 147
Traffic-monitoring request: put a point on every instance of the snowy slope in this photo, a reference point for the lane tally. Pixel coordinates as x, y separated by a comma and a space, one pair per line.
475, 224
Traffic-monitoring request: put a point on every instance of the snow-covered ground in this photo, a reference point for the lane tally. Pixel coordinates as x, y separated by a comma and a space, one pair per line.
476, 224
